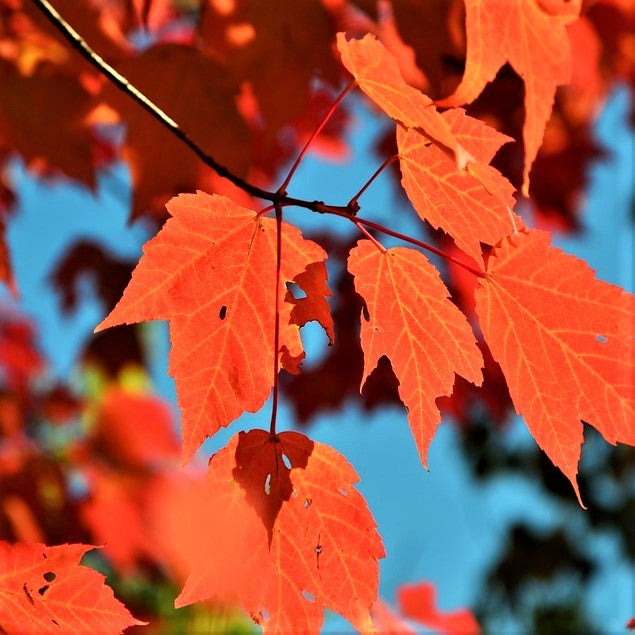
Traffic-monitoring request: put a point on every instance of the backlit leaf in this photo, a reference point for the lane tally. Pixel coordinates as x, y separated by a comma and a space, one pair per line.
286, 534
211, 272
534, 42
472, 205
411, 321
565, 343
377, 74
45, 590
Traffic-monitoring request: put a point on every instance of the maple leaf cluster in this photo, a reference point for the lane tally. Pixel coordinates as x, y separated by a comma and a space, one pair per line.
276, 525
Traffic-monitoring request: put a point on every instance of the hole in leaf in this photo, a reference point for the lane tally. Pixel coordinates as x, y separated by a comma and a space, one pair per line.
286, 461
49, 576
55, 622
268, 484
318, 549
42, 590
223, 312
26, 592
307, 502
294, 493
296, 291
265, 614
343, 492
308, 596
601, 338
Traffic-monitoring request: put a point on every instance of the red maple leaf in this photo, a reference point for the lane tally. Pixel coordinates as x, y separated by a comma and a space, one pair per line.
472, 205
411, 320
377, 73
211, 272
45, 590
534, 42
284, 533
565, 343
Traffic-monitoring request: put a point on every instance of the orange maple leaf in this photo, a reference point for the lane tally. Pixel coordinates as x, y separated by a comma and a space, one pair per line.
211, 272
411, 320
45, 590
534, 42
314, 306
565, 343
377, 73
286, 534
472, 205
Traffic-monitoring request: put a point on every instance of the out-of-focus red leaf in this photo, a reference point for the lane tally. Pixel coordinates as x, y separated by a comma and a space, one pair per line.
430, 28
39, 486
200, 96
43, 118
109, 273
284, 48
136, 430
418, 602
114, 516
20, 362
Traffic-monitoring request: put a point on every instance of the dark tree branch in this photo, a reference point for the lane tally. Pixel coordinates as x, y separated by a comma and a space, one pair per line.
78, 43
279, 198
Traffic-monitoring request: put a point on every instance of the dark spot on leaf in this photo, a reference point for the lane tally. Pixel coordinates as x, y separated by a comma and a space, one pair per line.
365, 312
26, 592
49, 576
55, 622
44, 555
42, 590
223, 312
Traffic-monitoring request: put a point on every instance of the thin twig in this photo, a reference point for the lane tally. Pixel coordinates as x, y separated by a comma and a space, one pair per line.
123, 84
413, 241
279, 198
353, 204
370, 237
276, 323
316, 132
